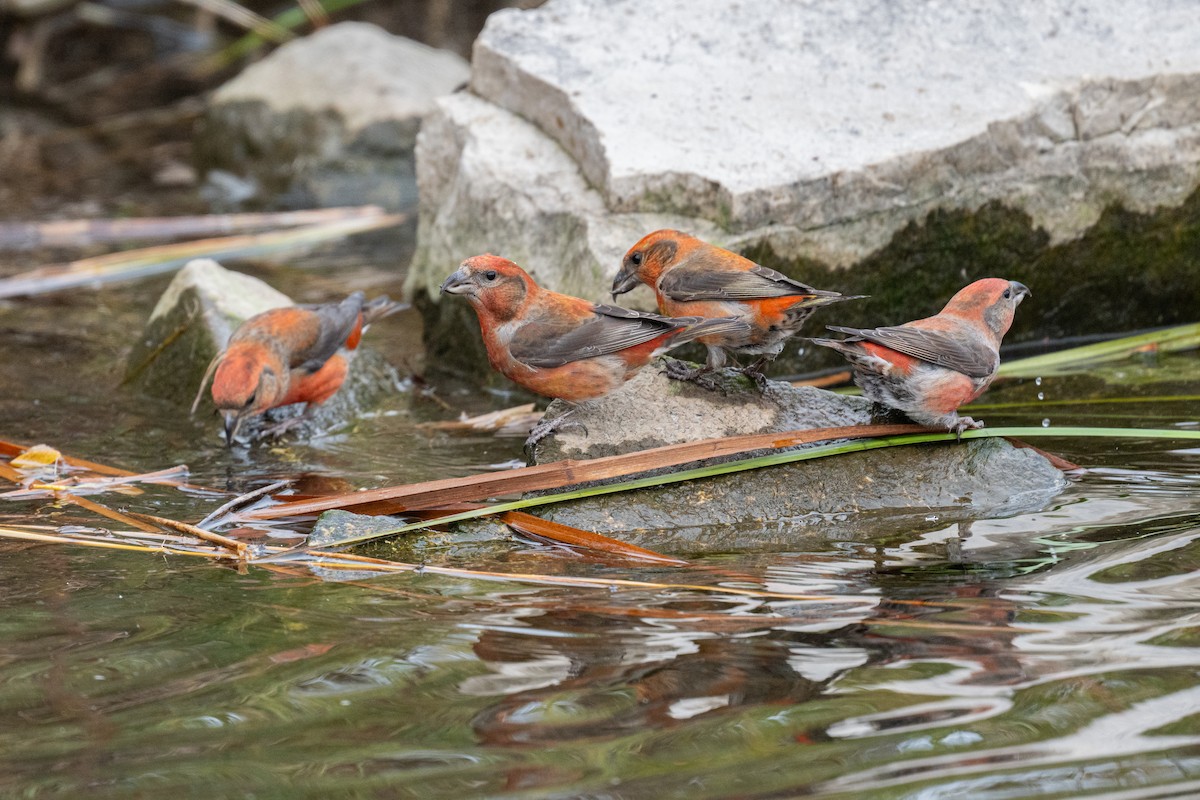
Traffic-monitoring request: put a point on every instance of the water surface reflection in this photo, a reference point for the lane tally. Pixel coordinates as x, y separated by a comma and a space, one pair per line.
1053, 653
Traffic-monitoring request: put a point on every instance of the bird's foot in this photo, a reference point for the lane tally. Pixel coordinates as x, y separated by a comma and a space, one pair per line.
282, 427
965, 424
701, 376
547, 428
679, 371
756, 375
754, 372
573, 423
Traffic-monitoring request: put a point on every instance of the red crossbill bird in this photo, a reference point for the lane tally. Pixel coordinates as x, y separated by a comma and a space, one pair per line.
561, 346
294, 354
929, 367
691, 277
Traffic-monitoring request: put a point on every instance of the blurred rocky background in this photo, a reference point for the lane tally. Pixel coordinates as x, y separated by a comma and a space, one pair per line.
116, 107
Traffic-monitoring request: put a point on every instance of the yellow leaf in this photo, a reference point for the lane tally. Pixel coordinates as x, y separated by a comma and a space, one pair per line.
40, 455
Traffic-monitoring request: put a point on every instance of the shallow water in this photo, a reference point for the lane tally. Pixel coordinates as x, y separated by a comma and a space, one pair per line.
1051, 654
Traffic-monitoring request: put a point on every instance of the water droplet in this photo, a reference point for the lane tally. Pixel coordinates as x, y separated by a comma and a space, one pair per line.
915, 745
1041, 395
1037, 381
1046, 422
961, 738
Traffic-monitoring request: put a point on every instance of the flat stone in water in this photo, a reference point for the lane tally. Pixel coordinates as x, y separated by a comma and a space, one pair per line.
853, 496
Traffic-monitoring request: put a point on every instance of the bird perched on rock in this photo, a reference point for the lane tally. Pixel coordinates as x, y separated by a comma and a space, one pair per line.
294, 354
929, 367
561, 346
691, 277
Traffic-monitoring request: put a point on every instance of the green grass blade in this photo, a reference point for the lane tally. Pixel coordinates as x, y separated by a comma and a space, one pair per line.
240, 15
292, 18
768, 461
1086, 401
1181, 337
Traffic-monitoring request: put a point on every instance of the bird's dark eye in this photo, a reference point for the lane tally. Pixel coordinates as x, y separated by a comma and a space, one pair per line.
636, 258
490, 275
1007, 293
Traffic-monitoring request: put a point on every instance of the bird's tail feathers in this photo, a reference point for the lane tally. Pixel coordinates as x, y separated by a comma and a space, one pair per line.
695, 327
379, 307
857, 334
821, 298
834, 344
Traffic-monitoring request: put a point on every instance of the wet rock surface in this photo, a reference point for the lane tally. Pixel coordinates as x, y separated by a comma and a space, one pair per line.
652, 410
880, 492
194, 319
920, 487
329, 119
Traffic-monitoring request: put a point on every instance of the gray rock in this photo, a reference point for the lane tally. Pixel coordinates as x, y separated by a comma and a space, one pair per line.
837, 123
652, 410
814, 131
875, 494
194, 319
489, 183
329, 119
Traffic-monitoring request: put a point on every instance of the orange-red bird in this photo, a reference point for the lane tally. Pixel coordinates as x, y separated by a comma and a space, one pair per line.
691, 277
562, 346
294, 354
929, 367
